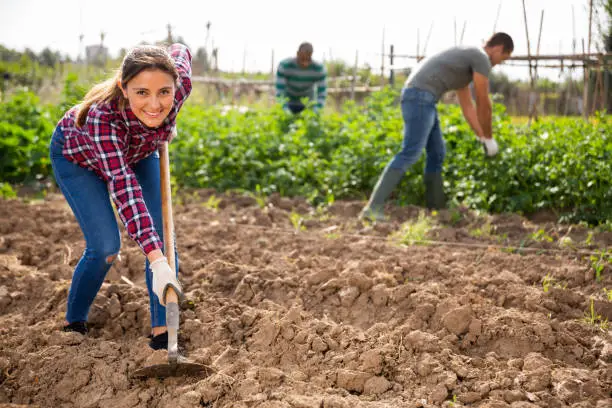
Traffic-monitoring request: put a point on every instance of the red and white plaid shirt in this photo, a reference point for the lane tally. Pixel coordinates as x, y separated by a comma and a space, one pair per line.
113, 139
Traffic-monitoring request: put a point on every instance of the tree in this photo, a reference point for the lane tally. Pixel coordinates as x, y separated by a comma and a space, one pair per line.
201, 61
49, 58
608, 39
605, 26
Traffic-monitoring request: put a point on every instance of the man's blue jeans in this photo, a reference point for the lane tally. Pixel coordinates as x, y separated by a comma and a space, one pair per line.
421, 131
89, 199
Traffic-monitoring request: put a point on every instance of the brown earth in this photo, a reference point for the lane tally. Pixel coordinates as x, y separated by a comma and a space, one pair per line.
294, 307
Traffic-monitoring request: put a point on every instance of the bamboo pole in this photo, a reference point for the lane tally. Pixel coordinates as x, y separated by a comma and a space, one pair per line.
535, 71
597, 89
462, 32
427, 39
585, 95
354, 81
532, 82
497, 16
382, 64
418, 50
585, 90
592, 57
571, 71
391, 66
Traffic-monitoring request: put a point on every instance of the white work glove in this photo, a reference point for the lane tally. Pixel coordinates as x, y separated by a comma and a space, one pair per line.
490, 146
163, 277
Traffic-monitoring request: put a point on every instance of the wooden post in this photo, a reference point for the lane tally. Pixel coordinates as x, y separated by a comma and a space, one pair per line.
497, 16
418, 44
244, 53
585, 91
382, 65
571, 69
606, 93
587, 71
532, 84
597, 91
272, 94
354, 81
391, 67
590, 24
427, 39
535, 70
462, 32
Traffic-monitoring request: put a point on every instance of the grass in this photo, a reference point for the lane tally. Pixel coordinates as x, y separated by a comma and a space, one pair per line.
297, 220
593, 319
549, 281
212, 203
599, 263
486, 230
541, 236
414, 232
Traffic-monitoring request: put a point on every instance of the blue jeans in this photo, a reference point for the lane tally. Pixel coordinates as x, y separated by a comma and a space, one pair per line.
295, 106
88, 196
421, 131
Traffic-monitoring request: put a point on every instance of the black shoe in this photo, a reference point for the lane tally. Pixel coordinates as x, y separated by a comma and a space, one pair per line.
79, 327
160, 342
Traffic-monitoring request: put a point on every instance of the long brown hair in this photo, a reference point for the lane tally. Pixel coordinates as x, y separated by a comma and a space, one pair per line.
143, 57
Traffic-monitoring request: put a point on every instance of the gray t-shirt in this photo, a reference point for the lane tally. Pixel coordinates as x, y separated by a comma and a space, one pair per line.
449, 70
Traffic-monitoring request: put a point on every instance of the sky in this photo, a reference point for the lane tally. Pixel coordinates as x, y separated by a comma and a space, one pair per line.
258, 31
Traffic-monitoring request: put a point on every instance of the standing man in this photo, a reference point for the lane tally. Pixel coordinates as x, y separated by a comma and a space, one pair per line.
301, 77
452, 69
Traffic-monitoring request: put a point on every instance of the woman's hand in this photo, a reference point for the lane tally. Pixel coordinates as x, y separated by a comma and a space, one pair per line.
164, 277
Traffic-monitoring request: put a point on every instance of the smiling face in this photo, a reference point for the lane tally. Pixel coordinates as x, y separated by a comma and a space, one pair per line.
150, 95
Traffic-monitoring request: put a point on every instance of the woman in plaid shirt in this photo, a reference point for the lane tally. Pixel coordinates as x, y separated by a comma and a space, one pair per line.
106, 147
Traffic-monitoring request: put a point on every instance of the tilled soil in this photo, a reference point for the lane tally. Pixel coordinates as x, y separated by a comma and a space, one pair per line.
293, 307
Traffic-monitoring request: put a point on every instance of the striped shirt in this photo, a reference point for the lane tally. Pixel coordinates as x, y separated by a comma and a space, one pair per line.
113, 139
295, 82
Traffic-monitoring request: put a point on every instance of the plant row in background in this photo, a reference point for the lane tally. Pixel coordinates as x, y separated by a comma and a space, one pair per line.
561, 164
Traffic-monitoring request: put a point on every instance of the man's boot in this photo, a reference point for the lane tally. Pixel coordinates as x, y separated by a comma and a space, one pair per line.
434, 191
387, 182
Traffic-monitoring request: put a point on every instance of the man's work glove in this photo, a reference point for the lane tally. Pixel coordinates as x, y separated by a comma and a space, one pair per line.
490, 146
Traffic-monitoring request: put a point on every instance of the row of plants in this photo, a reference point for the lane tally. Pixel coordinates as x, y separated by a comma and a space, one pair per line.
561, 164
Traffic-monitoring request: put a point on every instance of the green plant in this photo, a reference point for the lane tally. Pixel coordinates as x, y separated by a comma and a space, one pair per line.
548, 281
560, 164
541, 236
590, 239
608, 293
6, 191
413, 232
25, 129
599, 262
297, 220
484, 231
455, 216
594, 319
212, 203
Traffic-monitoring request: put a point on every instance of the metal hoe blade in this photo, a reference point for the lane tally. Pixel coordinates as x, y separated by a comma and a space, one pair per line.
178, 369
177, 365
